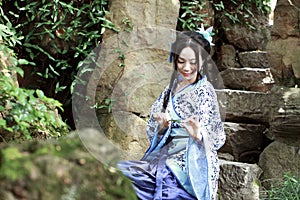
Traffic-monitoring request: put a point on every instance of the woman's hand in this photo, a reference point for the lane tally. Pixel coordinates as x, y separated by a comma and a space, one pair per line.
192, 125
163, 120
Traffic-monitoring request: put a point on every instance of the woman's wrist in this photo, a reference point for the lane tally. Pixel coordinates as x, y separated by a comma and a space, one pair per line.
198, 138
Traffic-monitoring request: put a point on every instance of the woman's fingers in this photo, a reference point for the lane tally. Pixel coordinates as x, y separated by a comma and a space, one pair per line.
193, 120
162, 118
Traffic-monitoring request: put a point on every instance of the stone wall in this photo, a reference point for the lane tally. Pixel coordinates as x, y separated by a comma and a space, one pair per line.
283, 155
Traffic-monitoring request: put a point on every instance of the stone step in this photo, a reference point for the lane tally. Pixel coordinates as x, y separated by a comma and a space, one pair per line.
254, 59
238, 181
244, 106
253, 79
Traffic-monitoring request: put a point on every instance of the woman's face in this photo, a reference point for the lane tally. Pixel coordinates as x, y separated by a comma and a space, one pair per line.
187, 64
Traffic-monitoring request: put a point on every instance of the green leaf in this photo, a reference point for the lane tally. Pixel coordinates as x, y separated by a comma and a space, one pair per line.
40, 93
2, 123
20, 71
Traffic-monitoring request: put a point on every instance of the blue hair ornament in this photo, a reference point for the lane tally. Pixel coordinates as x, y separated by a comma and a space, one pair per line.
207, 34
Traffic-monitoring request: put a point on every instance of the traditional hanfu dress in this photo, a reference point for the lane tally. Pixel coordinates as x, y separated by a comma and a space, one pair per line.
176, 166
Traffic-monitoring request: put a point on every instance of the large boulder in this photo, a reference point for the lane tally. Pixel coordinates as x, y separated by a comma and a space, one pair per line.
277, 160
283, 48
146, 40
126, 131
283, 55
247, 35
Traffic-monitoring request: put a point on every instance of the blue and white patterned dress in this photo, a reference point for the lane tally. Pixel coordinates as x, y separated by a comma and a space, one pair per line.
176, 166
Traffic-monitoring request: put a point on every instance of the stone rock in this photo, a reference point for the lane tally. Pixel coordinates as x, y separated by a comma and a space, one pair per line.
246, 106
228, 57
283, 48
253, 79
58, 169
139, 87
225, 156
286, 22
239, 181
143, 14
245, 38
285, 115
284, 59
254, 59
147, 42
277, 160
244, 141
126, 131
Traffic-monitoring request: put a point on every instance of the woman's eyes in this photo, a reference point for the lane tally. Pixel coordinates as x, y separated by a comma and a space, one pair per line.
182, 62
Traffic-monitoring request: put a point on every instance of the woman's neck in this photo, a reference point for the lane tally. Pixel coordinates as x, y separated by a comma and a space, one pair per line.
181, 85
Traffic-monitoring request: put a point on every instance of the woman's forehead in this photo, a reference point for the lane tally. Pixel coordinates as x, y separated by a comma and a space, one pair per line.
187, 53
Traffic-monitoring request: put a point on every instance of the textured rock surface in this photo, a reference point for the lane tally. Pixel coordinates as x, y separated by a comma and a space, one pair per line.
285, 115
244, 141
283, 48
246, 106
144, 50
128, 131
243, 37
61, 169
254, 59
252, 79
277, 160
228, 57
238, 181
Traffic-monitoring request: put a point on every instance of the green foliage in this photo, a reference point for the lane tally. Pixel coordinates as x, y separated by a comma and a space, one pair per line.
58, 35
194, 12
241, 12
23, 113
287, 188
28, 113
107, 104
128, 25
95, 180
191, 15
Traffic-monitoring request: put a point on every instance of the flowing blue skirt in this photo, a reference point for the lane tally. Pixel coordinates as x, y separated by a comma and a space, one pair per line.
152, 180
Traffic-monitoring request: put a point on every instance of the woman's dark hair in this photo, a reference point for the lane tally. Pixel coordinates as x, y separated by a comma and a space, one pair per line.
185, 39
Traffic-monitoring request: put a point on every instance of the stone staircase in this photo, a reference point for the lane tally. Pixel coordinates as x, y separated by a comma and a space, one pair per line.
248, 85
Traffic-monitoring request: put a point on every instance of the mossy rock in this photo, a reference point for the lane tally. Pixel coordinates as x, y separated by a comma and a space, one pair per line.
58, 169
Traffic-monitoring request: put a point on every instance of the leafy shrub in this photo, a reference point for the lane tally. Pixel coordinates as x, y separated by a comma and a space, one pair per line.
57, 37
24, 113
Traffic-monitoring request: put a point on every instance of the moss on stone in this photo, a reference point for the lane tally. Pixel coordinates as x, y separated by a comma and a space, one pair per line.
59, 169
14, 165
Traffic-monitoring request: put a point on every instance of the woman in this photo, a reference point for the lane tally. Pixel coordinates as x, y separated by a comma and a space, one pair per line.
185, 130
